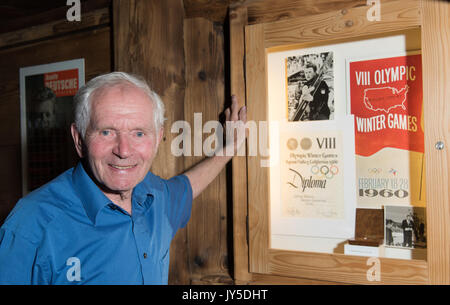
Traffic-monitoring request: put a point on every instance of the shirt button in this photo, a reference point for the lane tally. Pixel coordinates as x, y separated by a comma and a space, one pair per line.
145, 255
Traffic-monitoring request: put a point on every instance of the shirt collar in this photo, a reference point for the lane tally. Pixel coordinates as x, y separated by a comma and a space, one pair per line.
94, 200
91, 196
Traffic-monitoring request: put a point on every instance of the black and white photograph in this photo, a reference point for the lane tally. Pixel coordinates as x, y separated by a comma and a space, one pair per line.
310, 82
46, 114
405, 227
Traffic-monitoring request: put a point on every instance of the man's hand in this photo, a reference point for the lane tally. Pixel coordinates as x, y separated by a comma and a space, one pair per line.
235, 132
202, 174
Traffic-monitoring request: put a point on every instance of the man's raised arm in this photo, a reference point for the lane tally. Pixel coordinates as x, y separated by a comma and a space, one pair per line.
202, 174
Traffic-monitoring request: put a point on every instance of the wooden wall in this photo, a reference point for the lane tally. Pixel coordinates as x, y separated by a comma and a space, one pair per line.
182, 48
183, 60
208, 238
43, 44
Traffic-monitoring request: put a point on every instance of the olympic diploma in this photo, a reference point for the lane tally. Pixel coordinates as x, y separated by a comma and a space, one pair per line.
312, 174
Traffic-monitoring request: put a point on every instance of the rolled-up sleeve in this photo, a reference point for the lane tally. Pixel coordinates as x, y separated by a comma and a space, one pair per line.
180, 198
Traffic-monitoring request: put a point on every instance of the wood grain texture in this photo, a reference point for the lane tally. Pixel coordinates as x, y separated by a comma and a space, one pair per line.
345, 268
347, 23
258, 177
25, 14
436, 77
237, 22
148, 41
262, 11
265, 279
94, 46
274, 10
205, 94
91, 19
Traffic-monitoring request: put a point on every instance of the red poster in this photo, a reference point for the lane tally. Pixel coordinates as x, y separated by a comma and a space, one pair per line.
62, 83
386, 99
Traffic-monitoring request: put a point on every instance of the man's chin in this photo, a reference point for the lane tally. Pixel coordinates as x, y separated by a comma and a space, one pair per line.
118, 188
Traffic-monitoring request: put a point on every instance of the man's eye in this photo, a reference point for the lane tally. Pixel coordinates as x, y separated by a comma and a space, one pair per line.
139, 134
105, 132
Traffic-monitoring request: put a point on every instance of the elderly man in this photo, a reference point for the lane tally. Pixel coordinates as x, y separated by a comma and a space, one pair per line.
108, 220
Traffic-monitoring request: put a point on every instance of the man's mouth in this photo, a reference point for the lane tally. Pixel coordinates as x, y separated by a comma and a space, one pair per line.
121, 167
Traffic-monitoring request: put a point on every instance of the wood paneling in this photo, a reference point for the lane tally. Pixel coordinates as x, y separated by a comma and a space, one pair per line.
258, 176
273, 10
436, 77
25, 14
262, 11
90, 19
345, 268
238, 20
346, 24
148, 41
94, 46
205, 95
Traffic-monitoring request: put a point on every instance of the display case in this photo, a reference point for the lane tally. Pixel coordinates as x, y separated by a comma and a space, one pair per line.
365, 133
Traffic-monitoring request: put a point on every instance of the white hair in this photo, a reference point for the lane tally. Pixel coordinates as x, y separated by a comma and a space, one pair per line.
83, 98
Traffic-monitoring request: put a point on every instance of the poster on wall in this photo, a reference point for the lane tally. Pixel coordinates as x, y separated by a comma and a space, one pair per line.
310, 83
385, 95
46, 101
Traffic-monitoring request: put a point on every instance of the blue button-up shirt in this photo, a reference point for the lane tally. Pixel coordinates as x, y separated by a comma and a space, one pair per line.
69, 232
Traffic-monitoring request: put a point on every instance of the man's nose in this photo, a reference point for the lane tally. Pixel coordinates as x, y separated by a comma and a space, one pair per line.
122, 149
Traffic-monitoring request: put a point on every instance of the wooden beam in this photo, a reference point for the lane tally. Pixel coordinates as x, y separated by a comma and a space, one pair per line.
148, 41
258, 176
262, 11
436, 95
205, 95
275, 10
92, 19
238, 21
345, 24
26, 14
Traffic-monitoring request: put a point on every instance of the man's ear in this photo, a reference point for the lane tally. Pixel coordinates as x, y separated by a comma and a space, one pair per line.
77, 140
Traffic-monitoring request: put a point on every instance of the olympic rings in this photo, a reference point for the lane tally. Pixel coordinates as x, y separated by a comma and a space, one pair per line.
324, 167
334, 169
325, 170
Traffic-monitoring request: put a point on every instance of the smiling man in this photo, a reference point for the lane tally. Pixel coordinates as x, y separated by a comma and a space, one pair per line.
109, 220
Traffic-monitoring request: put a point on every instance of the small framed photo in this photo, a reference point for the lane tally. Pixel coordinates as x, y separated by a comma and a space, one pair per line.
310, 83
405, 227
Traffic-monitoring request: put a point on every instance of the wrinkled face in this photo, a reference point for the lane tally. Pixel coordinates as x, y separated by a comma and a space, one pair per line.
121, 141
309, 73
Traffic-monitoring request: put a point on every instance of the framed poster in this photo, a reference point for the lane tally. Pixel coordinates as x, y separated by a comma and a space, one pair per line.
288, 85
385, 95
46, 102
266, 47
